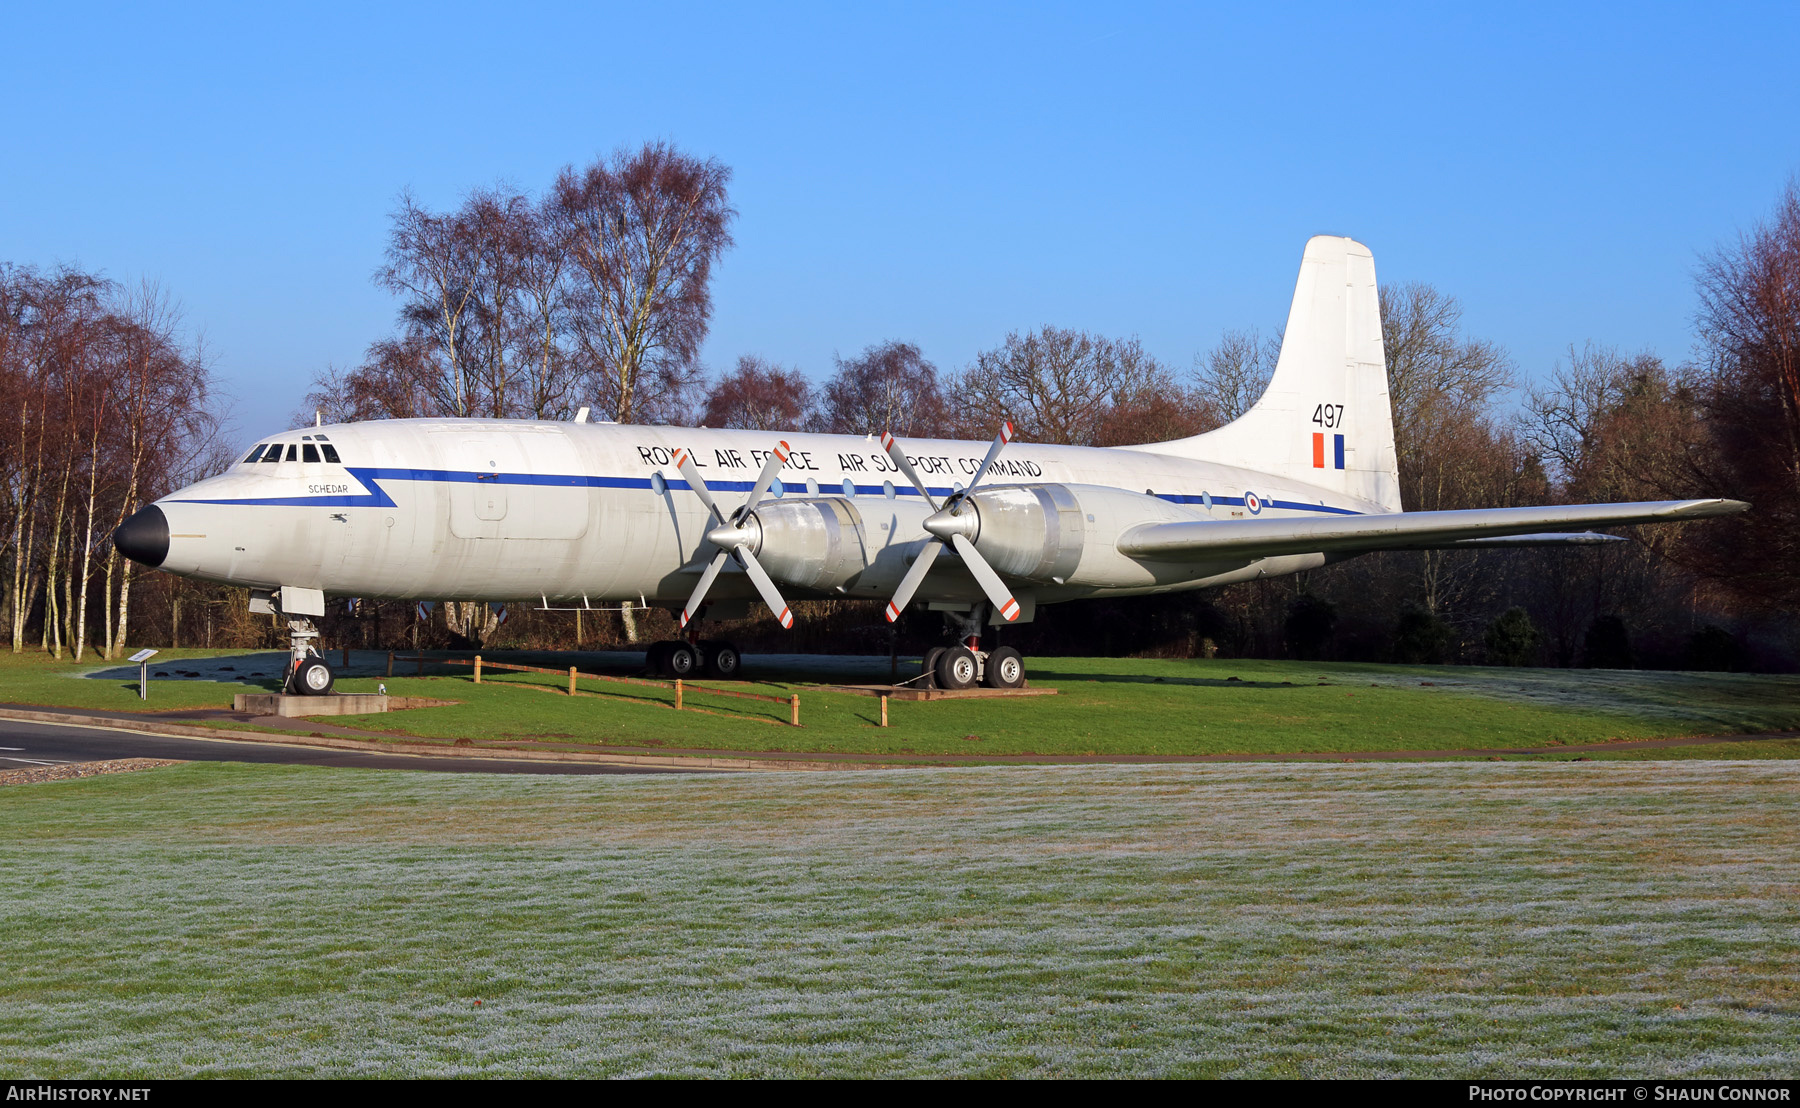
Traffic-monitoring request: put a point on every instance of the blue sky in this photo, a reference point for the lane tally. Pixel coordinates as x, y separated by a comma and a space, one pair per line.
939, 174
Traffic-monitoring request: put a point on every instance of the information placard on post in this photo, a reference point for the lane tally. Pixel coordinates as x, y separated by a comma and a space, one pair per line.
142, 658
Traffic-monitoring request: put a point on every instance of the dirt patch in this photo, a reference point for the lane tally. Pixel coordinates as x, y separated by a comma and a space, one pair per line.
401, 703
38, 774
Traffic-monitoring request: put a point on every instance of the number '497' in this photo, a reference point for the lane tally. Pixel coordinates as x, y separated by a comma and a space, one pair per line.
1329, 415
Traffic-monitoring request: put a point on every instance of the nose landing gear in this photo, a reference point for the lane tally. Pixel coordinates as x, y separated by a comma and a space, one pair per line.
307, 675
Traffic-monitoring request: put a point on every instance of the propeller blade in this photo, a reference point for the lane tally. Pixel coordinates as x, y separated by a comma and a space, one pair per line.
770, 468
892, 446
910, 583
989, 580
770, 594
1005, 436
684, 463
706, 579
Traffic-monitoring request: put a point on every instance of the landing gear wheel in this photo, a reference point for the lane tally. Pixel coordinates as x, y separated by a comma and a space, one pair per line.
929, 667
956, 668
1005, 669
313, 678
722, 660
680, 661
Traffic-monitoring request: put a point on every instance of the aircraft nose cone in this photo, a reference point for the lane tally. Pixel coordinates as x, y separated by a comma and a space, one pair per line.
144, 537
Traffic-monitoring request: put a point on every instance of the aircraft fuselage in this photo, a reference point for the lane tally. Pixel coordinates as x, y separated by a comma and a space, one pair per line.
513, 510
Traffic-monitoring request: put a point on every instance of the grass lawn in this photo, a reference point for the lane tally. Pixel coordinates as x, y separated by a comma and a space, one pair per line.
1105, 706
1452, 920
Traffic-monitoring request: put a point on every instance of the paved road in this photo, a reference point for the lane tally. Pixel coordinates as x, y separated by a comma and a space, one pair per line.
24, 744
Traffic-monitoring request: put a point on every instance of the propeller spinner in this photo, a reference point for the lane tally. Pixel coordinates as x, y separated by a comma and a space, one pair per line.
733, 537
951, 523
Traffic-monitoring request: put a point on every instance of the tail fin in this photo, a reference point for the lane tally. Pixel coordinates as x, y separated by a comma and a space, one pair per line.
1325, 419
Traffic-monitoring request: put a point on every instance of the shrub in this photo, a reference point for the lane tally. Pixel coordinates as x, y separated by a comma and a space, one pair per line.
1607, 645
1512, 639
1714, 648
1310, 623
1420, 637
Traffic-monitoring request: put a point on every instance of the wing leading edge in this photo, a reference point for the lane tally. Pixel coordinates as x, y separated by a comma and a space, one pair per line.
1401, 530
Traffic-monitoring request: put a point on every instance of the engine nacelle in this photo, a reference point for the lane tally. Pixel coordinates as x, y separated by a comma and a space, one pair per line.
1040, 532
812, 543
1035, 532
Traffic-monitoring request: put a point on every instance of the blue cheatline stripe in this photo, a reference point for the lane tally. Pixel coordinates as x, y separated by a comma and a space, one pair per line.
374, 496
1338, 445
1290, 505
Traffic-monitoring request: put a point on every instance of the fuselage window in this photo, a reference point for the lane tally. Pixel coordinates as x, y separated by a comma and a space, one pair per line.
331, 454
254, 454
273, 453
309, 453
293, 452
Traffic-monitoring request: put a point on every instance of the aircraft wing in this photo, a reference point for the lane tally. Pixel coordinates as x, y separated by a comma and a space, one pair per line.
1399, 530
1513, 542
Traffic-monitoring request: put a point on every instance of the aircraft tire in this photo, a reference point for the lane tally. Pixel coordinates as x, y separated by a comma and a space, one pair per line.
313, 678
928, 667
722, 660
1005, 669
956, 668
681, 661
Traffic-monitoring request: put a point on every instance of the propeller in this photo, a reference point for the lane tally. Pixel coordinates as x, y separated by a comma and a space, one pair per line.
951, 523
732, 537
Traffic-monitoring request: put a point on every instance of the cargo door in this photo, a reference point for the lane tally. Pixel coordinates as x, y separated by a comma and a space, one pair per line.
478, 472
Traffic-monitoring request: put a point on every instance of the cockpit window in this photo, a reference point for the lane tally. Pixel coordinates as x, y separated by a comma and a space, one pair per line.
293, 452
309, 453
273, 453
254, 454
331, 454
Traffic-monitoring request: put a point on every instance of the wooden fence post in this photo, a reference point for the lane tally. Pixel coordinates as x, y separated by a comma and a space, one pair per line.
571, 680
478, 669
678, 694
884, 709
390, 671
794, 704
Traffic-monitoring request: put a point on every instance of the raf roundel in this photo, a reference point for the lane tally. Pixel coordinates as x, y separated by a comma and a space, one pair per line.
1253, 502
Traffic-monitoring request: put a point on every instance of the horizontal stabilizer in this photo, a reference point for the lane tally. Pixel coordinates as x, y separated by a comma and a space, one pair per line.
1259, 538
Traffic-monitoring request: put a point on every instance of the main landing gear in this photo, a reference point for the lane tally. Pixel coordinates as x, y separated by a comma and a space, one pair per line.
966, 665
307, 675
699, 658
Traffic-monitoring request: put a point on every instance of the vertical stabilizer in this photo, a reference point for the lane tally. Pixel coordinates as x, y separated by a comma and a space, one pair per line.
1325, 419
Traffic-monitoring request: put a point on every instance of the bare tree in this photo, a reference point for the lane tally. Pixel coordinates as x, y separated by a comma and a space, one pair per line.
642, 232
431, 264
496, 226
1438, 382
1232, 376
1064, 386
1749, 323
888, 387
107, 399
758, 396
553, 375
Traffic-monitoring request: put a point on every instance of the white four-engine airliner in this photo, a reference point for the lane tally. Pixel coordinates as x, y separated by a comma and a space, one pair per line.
705, 520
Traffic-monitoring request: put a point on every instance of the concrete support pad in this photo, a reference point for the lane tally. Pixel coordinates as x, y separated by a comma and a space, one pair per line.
278, 704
